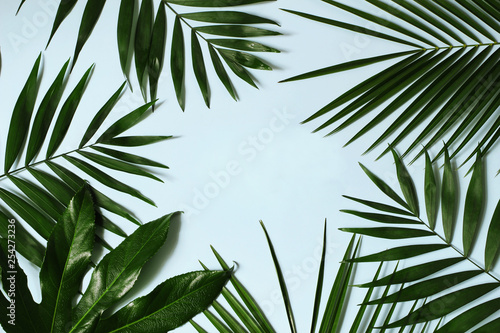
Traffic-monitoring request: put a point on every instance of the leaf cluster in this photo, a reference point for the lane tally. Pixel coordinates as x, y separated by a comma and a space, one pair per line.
67, 260
450, 74
40, 203
143, 35
432, 279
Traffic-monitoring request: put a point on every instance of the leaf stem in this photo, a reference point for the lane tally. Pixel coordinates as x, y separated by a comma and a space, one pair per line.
459, 46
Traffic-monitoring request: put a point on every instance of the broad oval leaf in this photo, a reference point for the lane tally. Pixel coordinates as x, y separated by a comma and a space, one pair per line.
118, 271
69, 250
169, 305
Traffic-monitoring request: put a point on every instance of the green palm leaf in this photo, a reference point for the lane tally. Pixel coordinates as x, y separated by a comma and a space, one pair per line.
453, 90
40, 202
144, 36
432, 279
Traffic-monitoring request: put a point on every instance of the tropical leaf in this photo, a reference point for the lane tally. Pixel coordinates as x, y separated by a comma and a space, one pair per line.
144, 36
67, 260
40, 202
433, 279
450, 89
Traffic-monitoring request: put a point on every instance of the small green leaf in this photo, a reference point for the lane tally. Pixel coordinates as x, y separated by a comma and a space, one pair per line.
91, 14
221, 72
474, 203
227, 17
21, 116
178, 63
382, 218
107, 180
170, 305
124, 34
135, 141
402, 252
430, 190
406, 184
66, 114
232, 30
389, 232
143, 42
245, 59
214, 3
319, 284
69, 250
199, 67
242, 44
127, 157
45, 114
100, 116
63, 10
493, 239
124, 123
448, 198
380, 206
281, 279
157, 50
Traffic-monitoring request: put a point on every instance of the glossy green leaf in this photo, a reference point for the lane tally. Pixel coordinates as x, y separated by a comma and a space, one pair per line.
69, 250
406, 184
100, 116
124, 33
91, 14
178, 62
199, 69
221, 72
474, 203
169, 305
402, 252
127, 157
232, 30
245, 59
430, 192
118, 271
227, 17
413, 273
118, 165
135, 141
26, 311
44, 115
66, 114
389, 232
40, 222
197, 327
380, 206
242, 44
444, 305
492, 326
490, 21
107, 180
448, 198
428, 287
142, 42
26, 244
125, 123
384, 187
63, 10
493, 239
470, 318
382, 218
239, 70
21, 116
219, 325
157, 50
281, 279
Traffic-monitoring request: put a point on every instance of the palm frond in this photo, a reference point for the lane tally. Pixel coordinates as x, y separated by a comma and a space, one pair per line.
40, 201
144, 37
433, 280
450, 89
